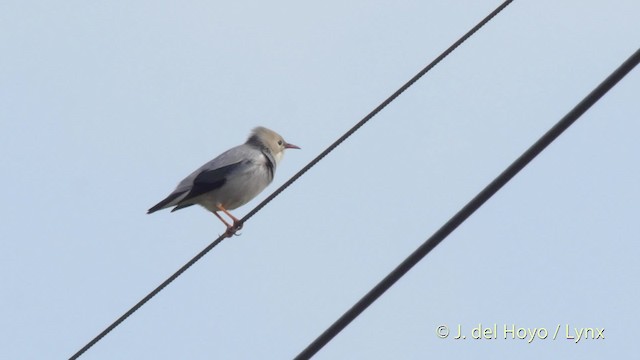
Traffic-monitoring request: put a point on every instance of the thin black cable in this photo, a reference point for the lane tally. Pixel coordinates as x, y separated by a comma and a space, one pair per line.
148, 297
292, 179
471, 207
376, 110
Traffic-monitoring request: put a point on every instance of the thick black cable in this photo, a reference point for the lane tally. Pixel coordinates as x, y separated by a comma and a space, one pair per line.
292, 179
470, 208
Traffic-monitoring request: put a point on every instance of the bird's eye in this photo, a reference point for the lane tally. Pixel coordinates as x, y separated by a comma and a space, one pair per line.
280, 142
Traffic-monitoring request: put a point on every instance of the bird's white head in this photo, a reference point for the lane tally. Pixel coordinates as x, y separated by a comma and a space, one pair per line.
271, 140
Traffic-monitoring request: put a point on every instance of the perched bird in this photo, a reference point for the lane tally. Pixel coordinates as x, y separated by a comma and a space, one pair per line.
232, 179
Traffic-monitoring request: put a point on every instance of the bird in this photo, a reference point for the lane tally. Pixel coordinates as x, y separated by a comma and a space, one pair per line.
232, 179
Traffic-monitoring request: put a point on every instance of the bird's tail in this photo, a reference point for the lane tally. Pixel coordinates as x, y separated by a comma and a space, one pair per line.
169, 201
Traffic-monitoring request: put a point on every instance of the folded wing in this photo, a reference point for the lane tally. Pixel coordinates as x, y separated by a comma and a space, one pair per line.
204, 182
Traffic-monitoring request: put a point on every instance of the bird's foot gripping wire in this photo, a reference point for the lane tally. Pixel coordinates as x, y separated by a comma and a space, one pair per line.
233, 229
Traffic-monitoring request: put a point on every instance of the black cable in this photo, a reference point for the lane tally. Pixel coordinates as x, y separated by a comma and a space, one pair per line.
291, 180
471, 207
147, 298
376, 110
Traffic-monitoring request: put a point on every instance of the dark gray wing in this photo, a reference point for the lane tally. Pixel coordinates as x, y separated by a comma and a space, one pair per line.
208, 180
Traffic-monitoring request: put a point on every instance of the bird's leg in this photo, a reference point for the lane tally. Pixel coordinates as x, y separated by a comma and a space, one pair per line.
222, 219
231, 229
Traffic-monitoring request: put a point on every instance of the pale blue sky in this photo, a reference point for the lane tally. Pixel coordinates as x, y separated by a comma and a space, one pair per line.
105, 106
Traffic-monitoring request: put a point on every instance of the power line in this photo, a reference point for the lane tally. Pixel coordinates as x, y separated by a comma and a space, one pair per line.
148, 297
471, 207
378, 109
291, 180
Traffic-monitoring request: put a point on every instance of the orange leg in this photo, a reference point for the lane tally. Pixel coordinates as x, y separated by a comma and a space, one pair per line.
223, 220
231, 229
235, 220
